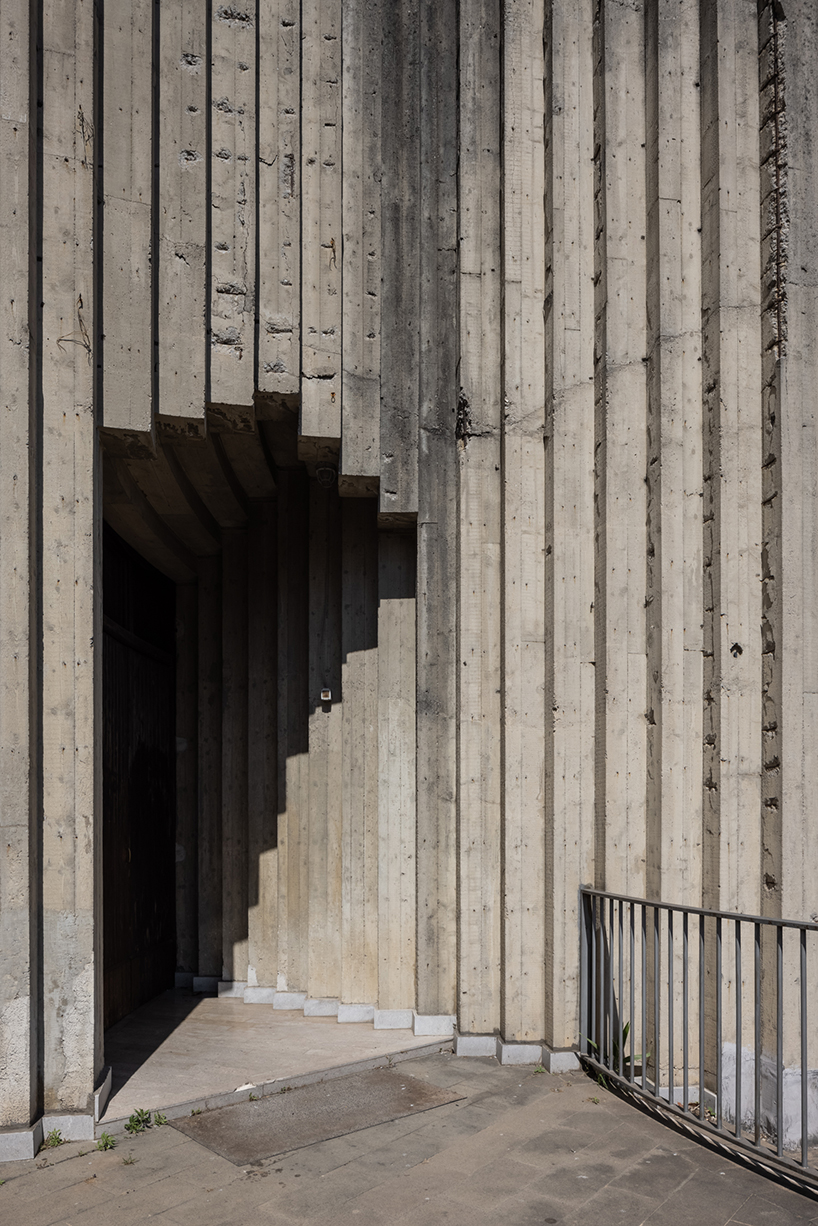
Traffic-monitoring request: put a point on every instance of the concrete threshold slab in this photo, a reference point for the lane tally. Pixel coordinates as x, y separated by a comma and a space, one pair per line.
250, 1093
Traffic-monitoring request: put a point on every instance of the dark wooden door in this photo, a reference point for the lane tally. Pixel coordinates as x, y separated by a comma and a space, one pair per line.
138, 686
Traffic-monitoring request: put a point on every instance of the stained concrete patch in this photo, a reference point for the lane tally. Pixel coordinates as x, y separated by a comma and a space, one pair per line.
251, 1131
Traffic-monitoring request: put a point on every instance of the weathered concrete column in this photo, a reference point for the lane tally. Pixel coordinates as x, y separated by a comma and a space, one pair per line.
620, 445
210, 767
262, 745
19, 699
437, 517
731, 372
71, 593
523, 581
479, 785
359, 751
234, 754
325, 735
397, 861
293, 728
187, 779
569, 504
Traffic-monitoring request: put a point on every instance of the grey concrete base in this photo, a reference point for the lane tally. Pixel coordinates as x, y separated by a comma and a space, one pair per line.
433, 1023
393, 1019
475, 1044
560, 1061
356, 1013
205, 983
259, 996
70, 1127
519, 1053
233, 988
321, 1008
17, 1144
102, 1092
183, 979
289, 1000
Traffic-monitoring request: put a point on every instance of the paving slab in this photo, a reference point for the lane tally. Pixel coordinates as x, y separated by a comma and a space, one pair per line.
518, 1147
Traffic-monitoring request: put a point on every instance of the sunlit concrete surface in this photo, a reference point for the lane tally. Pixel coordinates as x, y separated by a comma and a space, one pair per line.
182, 1047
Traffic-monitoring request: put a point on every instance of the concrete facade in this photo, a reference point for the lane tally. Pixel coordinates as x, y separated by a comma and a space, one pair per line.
457, 362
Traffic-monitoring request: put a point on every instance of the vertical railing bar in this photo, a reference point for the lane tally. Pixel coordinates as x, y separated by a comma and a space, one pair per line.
685, 1016
656, 939
593, 1033
583, 974
632, 913
757, 1054
779, 1042
804, 1115
670, 1049
620, 1002
718, 1024
644, 998
702, 1114
610, 1023
738, 1027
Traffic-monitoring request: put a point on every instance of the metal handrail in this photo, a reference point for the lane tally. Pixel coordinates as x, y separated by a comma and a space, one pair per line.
635, 959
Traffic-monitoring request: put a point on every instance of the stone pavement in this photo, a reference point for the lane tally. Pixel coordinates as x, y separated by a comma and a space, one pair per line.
521, 1149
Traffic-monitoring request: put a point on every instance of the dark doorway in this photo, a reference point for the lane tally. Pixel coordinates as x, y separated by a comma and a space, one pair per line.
138, 764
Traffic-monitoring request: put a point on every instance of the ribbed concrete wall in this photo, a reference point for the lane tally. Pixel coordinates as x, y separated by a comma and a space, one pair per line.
538, 280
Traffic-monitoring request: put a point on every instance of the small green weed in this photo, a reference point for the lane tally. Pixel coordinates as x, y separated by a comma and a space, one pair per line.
138, 1122
128, 1160
539, 1068
53, 1139
106, 1141
254, 1098
196, 1111
159, 1119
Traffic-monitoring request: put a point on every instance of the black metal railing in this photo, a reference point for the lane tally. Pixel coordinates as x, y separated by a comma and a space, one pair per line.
677, 1009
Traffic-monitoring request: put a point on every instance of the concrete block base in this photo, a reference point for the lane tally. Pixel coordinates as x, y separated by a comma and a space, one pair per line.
290, 1000
259, 996
560, 1061
321, 1008
393, 1019
70, 1127
433, 1023
183, 979
519, 1053
232, 988
205, 983
356, 1013
102, 1092
475, 1044
17, 1144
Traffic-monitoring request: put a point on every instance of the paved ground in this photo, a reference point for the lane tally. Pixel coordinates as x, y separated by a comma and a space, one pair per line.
521, 1149
180, 1047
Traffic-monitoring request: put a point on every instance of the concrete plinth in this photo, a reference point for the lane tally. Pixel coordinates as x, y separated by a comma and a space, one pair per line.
71, 1127
205, 983
259, 996
289, 1000
475, 1044
519, 1053
232, 987
560, 1061
393, 1019
324, 1007
356, 1013
433, 1023
19, 1143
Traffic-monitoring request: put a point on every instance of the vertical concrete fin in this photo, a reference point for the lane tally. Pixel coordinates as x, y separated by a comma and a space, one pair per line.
279, 198
233, 178
71, 589
210, 766
437, 514
181, 219
235, 664
187, 790
128, 266
397, 880
262, 746
620, 444
674, 469
18, 698
359, 751
480, 500
321, 220
523, 582
402, 288
569, 508
361, 390
732, 455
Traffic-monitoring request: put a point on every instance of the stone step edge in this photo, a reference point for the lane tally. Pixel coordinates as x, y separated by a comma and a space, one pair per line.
421, 1024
